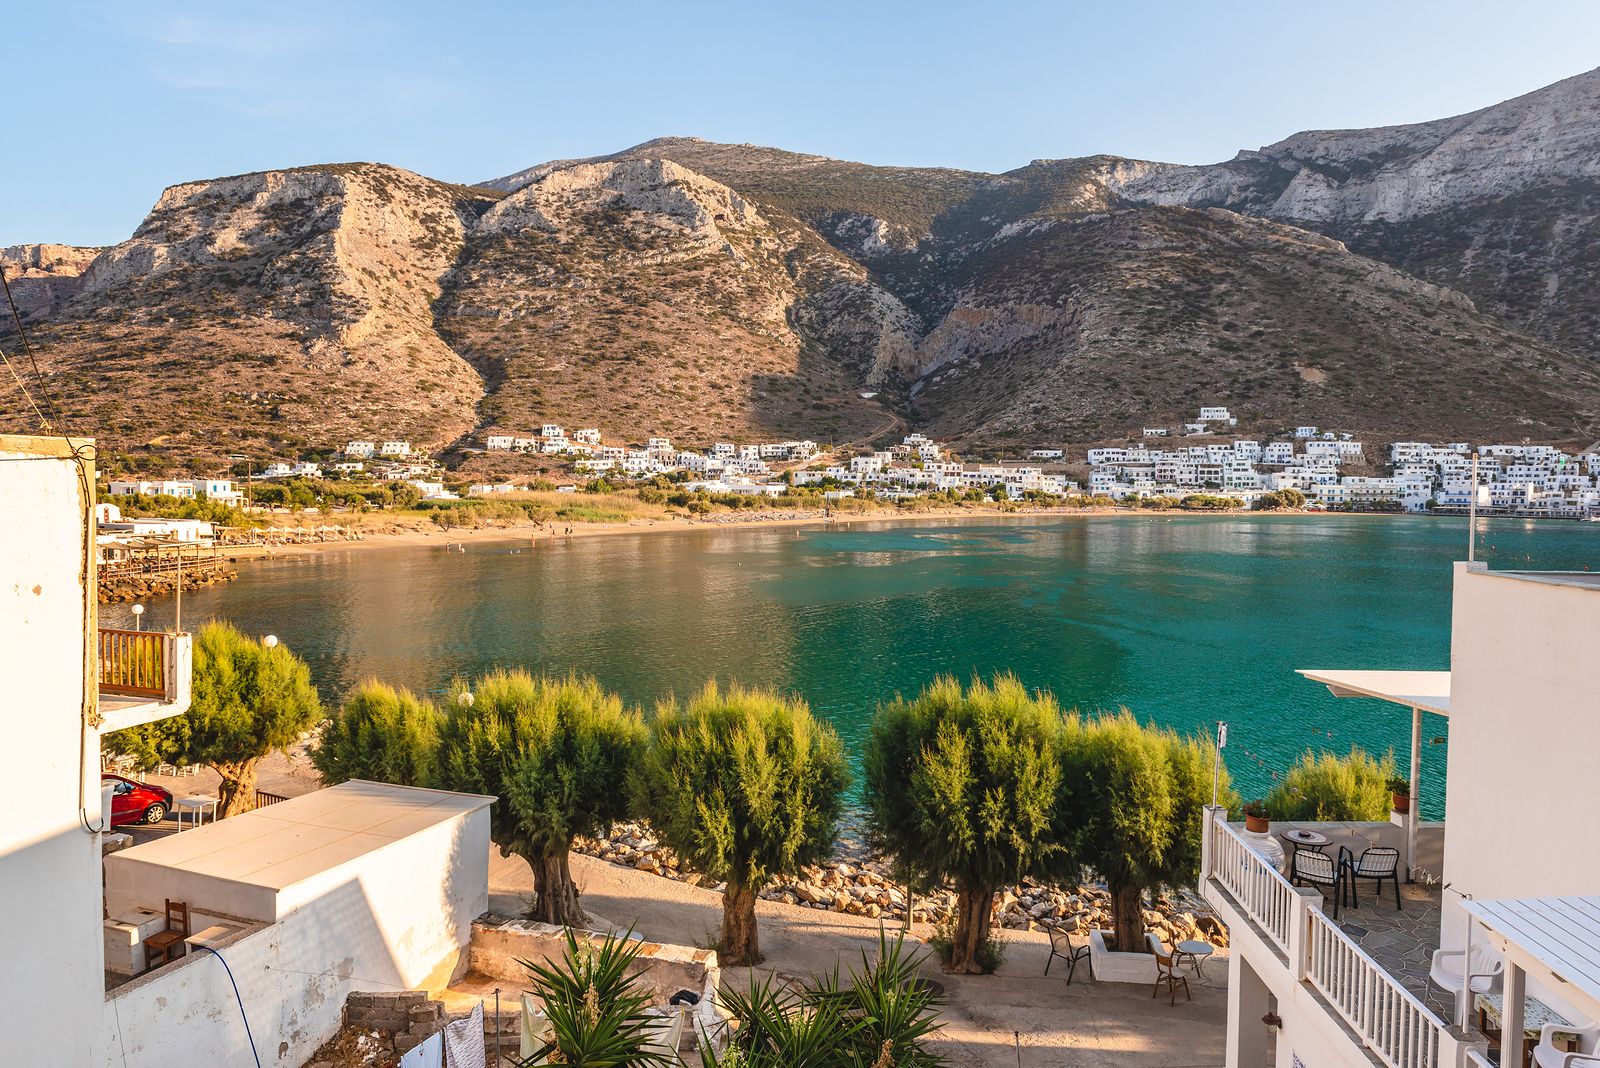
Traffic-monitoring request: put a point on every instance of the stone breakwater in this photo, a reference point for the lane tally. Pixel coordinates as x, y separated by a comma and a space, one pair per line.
859, 884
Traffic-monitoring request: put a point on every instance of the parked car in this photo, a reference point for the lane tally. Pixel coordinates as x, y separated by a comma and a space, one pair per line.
136, 802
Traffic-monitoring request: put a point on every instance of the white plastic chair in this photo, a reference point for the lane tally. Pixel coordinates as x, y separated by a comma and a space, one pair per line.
1587, 1055
1461, 976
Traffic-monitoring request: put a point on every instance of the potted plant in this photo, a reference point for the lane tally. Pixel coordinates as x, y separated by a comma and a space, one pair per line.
1256, 820
1401, 789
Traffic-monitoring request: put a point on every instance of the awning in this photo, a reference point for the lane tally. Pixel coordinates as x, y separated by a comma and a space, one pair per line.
1550, 937
1427, 690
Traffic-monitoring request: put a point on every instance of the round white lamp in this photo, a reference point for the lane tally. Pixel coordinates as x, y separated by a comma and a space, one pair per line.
270, 641
138, 613
466, 699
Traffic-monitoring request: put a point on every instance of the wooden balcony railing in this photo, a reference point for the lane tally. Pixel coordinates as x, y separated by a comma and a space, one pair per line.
133, 663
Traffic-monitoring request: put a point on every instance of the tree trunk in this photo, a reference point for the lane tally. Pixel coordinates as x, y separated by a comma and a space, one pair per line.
237, 791
740, 944
1127, 917
973, 909
555, 895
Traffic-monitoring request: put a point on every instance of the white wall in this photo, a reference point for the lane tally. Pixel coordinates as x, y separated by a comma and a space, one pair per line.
398, 918
1524, 740
49, 864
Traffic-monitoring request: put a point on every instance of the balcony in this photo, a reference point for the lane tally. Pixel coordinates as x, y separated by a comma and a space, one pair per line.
143, 676
1359, 972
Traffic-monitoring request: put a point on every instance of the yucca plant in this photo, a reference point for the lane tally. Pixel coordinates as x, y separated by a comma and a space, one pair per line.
596, 1010
776, 1029
878, 1017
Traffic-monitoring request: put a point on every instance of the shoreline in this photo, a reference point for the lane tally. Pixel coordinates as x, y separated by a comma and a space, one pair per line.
543, 534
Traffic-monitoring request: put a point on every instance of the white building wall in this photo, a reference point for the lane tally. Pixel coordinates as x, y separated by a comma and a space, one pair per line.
1524, 739
49, 861
399, 918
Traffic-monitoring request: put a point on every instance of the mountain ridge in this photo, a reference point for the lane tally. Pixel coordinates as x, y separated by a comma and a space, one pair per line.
703, 290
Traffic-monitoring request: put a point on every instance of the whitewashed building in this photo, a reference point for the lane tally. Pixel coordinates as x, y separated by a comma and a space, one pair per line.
1513, 892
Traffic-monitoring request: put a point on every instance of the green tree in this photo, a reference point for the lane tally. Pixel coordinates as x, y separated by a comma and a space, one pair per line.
382, 734
1326, 786
557, 753
1137, 807
744, 785
962, 787
248, 700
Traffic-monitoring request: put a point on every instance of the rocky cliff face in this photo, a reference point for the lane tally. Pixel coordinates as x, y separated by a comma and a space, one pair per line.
1438, 279
1500, 203
44, 277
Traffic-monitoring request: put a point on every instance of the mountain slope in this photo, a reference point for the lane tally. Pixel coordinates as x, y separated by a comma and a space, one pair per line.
1500, 203
1389, 282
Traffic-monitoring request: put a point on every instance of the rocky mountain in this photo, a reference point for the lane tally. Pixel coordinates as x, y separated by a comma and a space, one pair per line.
44, 277
1502, 204
1433, 280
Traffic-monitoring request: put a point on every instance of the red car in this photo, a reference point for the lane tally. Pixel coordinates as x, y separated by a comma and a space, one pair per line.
136, 802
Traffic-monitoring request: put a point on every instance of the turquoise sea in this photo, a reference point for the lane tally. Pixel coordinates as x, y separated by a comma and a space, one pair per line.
1184, 620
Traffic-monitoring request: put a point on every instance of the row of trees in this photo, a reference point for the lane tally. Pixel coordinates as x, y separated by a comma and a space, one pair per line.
974, 787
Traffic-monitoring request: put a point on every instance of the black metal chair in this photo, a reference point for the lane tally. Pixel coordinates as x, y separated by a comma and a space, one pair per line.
1064, 945
1311, 868
1376, 863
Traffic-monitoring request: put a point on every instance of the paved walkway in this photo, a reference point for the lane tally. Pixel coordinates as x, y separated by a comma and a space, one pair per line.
987, 1019
1401, 941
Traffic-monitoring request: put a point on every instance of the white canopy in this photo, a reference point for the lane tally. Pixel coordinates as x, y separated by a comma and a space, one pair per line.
1551, 937
1427, 690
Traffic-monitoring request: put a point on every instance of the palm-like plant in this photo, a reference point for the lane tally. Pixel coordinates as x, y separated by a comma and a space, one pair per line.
879, 1017
595, 1008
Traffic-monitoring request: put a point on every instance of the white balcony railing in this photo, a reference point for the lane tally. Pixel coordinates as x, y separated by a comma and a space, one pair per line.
1402, 1031
1266, 896
1390, 1021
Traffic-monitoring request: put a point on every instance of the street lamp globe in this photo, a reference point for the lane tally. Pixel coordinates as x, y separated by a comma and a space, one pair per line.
138, 612
465, 699
270, 641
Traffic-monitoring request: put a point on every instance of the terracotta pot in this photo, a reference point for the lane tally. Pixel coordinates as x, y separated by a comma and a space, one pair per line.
1257, 824
1402, 803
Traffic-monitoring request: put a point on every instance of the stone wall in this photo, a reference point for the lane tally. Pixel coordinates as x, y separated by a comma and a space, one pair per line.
407, 1015
498, 943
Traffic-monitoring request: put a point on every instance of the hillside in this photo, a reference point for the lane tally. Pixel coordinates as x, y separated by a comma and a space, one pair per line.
1440, 280
1502, 203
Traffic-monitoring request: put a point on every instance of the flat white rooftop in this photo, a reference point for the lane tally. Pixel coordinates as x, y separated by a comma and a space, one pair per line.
1427, 690
261, 854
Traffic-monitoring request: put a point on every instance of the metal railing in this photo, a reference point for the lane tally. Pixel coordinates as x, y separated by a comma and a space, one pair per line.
263, 799
133, 663
1259, 888
1399, 1029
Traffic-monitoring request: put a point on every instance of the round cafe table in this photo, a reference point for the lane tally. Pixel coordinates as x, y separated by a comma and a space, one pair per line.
1197, 952
1299, 839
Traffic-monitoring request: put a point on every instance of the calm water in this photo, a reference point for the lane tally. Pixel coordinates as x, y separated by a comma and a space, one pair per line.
1182, 620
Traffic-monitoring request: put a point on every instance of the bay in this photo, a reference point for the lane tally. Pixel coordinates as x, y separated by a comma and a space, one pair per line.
1184, 620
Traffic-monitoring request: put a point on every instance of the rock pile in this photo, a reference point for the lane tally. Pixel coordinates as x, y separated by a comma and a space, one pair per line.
859, 884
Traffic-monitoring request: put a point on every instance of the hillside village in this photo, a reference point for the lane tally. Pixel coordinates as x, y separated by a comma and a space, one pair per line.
1322, 469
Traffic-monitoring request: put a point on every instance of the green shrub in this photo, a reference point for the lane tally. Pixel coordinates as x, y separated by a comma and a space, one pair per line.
1326, 786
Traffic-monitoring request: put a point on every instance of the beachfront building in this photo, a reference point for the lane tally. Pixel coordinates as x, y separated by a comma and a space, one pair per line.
1503, 882
284, 911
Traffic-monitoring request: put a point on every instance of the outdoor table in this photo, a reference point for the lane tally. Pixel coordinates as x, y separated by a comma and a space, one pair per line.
1535, 1015
1299, 839
1197, 951
196, 807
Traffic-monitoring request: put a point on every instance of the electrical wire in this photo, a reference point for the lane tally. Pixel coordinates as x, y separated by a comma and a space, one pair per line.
239, 999
27, 349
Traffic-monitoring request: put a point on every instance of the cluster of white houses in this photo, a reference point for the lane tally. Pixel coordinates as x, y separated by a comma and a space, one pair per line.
918, 466
1523, 480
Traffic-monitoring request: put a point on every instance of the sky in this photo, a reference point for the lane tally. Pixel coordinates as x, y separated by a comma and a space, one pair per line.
110, 102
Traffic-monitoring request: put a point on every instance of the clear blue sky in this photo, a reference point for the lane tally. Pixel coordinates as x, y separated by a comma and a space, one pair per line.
109, 102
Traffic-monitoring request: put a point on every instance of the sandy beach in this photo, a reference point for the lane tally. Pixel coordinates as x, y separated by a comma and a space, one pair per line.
538, 533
